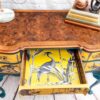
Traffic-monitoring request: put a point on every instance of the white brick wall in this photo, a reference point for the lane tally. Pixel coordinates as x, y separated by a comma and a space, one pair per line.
38, 4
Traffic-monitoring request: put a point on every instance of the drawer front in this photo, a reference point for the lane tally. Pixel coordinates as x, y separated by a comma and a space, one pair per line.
90, 66
90, 56
9, 68
47, 71
91, 60
10, 63
10, 58
53, 91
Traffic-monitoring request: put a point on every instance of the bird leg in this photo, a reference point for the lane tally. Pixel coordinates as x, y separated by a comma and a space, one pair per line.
48, 77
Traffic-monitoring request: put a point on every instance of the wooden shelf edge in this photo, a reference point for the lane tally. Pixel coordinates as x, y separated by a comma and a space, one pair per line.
41, 10
83, 25
49, 44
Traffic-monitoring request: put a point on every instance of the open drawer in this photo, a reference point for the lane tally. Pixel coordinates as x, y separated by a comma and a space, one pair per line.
48, 71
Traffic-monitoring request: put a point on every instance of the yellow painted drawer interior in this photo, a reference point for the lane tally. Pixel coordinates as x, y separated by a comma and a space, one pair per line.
47, 71
10, 63
91, 60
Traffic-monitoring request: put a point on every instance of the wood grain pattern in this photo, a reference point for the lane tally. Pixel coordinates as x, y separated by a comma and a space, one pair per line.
45, 29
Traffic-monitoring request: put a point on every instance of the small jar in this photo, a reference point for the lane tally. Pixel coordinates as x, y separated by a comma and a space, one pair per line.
81, 4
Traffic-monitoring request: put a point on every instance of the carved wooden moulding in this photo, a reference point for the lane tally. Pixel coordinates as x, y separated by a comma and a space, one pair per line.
45, 29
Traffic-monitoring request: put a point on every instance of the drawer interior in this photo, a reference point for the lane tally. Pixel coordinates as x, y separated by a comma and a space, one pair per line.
47, 71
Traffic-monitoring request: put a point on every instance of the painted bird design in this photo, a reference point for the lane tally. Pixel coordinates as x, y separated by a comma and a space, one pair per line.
48, 68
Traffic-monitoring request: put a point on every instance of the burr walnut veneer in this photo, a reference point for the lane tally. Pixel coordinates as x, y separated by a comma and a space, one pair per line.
45, 29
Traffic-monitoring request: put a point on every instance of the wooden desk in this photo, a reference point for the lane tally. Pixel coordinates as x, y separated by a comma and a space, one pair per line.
45, 29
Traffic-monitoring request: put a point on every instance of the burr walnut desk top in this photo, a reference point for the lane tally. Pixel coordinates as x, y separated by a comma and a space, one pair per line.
45, 29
